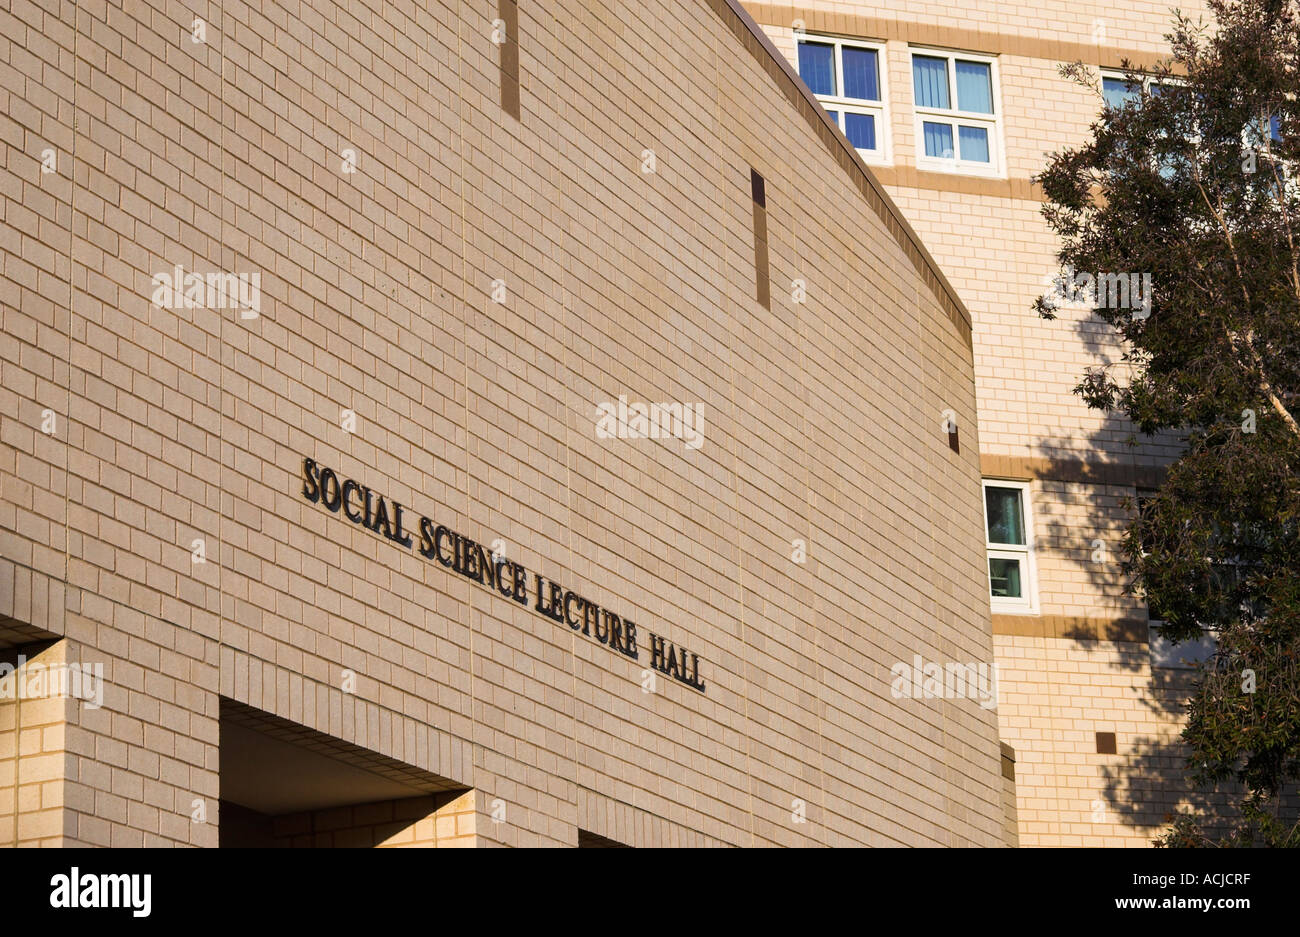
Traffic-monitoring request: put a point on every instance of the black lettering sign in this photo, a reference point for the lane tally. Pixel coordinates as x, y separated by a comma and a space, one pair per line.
330, 500
426, 538
457, 552
350, 488
310, 484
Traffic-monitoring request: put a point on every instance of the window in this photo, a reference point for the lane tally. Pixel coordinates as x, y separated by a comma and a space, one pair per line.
1185, 656
1118, 91
848, 78
1260, 138
1146, 499
956, 112
1010, 546
1164, 653
1268, 156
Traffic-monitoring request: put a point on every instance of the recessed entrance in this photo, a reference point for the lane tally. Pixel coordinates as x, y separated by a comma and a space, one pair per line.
284, 785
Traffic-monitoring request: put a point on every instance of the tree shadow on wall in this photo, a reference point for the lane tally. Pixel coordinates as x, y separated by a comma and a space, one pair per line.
1151, 781
1148, 782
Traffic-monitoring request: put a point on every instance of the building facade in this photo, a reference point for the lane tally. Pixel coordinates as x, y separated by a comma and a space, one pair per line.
956, 109
472, 424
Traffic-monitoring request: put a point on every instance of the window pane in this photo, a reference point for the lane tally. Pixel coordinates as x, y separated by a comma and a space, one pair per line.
861, 75
1184, 655
975, 87
817, 67
1006, 521
938, 140
1275, 127
974, 143
1118, 92
835, 115
861, 130
1146, 505
930, 81
1004, 578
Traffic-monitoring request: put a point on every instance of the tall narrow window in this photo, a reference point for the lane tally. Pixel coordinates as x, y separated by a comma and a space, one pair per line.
1009, 545
957, 121
848, 77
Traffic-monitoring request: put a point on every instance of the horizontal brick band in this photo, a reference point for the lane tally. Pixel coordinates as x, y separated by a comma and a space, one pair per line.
1072, 470
951, 37
1079, 629
909, 177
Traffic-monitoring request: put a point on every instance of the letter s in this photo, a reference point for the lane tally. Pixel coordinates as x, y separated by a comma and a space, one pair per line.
310, 487
426, 538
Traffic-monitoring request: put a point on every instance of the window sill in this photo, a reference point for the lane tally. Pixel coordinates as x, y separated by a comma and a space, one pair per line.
949, 169
1013, 610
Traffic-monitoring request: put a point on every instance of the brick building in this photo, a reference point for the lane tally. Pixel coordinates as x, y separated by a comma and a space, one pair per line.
462, 424
955, 108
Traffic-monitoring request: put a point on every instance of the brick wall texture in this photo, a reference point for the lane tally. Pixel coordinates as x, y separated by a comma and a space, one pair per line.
33, 761
133, 436
991, 241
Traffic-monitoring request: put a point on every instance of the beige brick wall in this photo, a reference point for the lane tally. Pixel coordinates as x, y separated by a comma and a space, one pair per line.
991, 241
1057, 695
33, 759
823, 420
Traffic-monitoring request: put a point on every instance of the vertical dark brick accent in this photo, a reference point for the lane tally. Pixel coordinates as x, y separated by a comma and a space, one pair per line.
508, 13
1008, 761
759, 190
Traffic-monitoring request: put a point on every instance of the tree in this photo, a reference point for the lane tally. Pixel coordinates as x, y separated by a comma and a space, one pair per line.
1194, 179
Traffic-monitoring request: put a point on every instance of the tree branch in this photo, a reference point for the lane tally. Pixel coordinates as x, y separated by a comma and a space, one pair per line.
1264, 384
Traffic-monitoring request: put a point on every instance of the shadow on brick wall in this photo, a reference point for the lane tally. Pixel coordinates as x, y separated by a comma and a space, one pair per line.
1088, 485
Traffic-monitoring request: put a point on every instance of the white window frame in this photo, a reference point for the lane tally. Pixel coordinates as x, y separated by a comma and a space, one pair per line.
996, 166
1027, 604
880, 111
1118, 75
1147, 82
